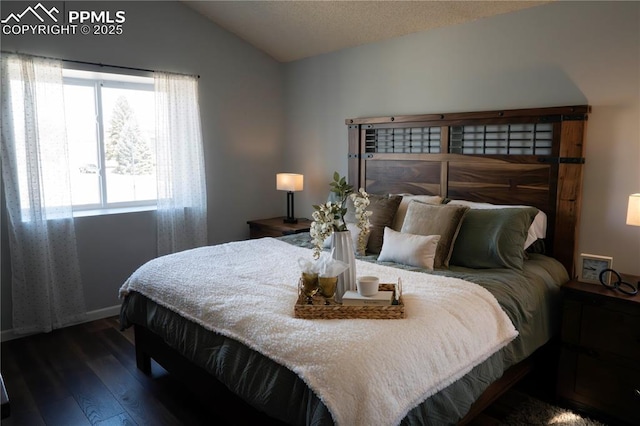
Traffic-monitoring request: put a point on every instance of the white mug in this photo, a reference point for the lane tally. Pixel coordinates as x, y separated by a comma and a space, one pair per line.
368, 285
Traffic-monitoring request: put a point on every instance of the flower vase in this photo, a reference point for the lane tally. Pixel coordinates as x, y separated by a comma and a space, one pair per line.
342, 247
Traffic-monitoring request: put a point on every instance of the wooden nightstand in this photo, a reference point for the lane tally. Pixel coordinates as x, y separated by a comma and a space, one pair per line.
275, 227
599, 370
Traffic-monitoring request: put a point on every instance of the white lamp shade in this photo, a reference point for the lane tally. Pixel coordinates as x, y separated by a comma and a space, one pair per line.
289, 182
633, 212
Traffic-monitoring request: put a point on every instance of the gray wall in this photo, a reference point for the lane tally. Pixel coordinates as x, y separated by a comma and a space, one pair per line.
558, 54
563, 53
242, 123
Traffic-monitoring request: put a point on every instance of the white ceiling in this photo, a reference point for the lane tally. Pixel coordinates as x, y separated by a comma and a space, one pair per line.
296, 29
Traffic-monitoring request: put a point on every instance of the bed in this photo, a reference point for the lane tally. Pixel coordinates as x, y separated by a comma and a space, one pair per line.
527, 157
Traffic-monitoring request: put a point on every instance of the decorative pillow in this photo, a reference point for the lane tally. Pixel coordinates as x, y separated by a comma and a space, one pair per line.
409, 249
443, 220
398, 220
493, 238
537, 230
383, 208
355, 232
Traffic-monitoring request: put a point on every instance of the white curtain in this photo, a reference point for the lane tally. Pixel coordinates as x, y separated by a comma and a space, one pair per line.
46, 284
182, 200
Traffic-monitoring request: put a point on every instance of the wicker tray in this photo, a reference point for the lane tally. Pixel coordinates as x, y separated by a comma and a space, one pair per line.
320, 310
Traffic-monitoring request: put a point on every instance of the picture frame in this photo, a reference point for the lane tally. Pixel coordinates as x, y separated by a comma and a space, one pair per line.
590, 267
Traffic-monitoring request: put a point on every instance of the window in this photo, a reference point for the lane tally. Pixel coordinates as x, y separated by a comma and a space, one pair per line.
110, 123
106, 123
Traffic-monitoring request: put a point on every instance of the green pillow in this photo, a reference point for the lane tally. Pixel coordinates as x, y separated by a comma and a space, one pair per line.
493, 238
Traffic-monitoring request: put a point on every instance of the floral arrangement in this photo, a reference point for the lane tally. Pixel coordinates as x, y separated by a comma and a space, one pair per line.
329, 217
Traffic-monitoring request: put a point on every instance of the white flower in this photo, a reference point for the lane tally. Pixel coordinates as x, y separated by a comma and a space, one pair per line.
361, 202
329, 217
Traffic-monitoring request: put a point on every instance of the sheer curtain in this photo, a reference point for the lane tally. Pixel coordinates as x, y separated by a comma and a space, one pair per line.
182, 200
46, 284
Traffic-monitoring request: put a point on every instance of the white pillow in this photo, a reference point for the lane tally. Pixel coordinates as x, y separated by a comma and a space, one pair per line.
409, 249
398, 219
355, 232
537, 230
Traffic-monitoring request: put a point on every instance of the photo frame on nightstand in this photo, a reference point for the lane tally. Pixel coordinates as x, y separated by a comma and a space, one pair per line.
590, 267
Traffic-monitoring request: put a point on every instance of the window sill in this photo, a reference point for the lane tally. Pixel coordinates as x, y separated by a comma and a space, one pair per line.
117, 210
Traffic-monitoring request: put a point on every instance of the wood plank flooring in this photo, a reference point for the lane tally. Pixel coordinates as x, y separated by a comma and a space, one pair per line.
87, 375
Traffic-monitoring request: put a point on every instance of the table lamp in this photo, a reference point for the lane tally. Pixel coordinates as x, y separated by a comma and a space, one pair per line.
633, 214
289, 182
633, 211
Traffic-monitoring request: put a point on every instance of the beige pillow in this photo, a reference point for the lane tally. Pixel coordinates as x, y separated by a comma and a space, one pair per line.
398, 220
443, 220
409, 249
383, 208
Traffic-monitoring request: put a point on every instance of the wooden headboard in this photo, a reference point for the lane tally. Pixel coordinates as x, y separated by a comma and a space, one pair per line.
527, 156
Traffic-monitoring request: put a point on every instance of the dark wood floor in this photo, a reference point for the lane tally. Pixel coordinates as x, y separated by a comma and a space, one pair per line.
87, 374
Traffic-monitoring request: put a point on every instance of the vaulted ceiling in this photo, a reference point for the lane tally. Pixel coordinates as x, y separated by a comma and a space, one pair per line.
296, 29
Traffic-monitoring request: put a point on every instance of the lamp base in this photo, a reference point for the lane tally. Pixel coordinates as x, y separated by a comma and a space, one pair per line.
290, 218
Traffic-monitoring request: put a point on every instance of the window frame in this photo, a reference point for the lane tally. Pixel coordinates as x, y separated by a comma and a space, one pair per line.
98, 80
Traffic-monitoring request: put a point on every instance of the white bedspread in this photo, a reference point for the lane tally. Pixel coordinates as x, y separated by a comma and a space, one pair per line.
367, 372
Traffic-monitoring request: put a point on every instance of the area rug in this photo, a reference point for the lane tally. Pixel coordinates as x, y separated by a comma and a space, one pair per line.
532, 411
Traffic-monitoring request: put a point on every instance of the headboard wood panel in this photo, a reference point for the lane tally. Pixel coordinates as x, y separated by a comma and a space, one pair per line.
500, 183
403, 176
526, 156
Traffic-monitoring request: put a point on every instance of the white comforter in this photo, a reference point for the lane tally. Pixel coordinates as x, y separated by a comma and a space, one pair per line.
367, 372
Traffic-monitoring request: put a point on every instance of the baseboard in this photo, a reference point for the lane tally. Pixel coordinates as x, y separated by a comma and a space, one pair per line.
103, 313
110, 311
